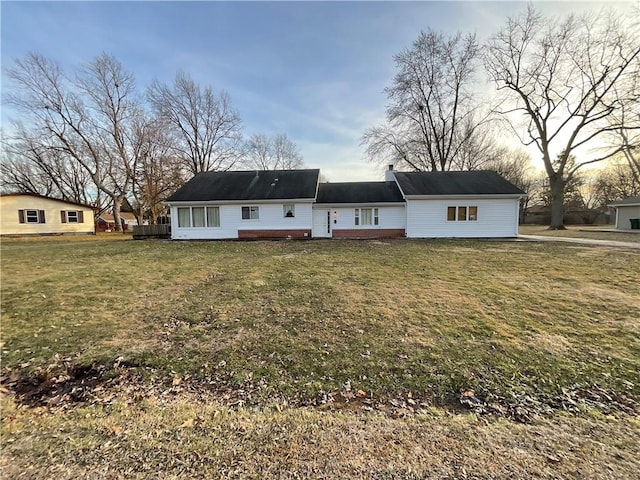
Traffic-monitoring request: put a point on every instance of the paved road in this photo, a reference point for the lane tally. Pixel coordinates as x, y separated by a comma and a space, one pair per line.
583, 241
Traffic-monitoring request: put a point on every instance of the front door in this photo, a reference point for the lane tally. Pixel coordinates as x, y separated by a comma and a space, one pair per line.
321, 223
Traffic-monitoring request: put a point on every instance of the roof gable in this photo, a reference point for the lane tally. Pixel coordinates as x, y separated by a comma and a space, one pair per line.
249, 185
359, 192
479, 182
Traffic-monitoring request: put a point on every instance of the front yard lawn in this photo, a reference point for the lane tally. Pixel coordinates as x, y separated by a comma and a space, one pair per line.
210, 358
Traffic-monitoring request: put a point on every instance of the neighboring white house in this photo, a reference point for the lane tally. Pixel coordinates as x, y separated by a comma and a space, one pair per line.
31, 214
626, 210
293, 204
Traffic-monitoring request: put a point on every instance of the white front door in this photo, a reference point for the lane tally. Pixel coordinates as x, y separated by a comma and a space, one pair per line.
321, 223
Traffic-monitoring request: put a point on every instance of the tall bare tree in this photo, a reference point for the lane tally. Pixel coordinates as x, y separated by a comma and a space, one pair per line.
272, 153
84, 118
158, 171
433, 113
564, 80
207, 128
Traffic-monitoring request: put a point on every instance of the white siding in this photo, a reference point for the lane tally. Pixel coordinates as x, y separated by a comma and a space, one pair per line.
271, 218
496, 218
343, 218
624, 214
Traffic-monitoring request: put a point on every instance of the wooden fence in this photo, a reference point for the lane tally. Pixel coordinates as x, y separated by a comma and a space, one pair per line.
151, 231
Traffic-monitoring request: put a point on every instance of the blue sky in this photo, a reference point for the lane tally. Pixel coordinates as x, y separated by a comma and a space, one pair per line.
313, 70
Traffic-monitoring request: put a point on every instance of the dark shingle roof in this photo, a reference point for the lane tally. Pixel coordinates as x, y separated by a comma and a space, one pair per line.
248, 185
481, 182
359, 192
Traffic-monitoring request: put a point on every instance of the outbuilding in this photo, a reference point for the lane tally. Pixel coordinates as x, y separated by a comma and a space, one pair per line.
627, 213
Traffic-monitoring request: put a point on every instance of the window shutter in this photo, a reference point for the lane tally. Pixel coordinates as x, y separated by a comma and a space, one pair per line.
80, 216
41, 218
21, 216
63, 216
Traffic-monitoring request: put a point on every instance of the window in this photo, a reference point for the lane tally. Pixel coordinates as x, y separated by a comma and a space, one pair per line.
213, 217
462, 213
250, 213
197, 214
198, 217
31, 216
184, 217
289, 210
366, 216
71, 216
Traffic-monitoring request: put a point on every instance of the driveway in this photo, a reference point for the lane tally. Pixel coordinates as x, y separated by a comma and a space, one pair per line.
583, 241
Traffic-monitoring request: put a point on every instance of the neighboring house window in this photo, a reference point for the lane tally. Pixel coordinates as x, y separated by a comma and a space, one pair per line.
198, 217
184, 217
213, 217
250, 213
366, 216
71, 216
31, 216
289, 210
462, 213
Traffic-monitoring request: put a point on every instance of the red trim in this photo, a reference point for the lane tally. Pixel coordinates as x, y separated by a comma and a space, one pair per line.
369, 233
256, 234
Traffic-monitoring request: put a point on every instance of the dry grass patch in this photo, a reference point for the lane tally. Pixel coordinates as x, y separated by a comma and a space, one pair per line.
186, 439
581, 231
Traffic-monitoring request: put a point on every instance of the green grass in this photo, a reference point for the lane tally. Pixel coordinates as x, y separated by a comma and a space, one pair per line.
194, 326
432, 317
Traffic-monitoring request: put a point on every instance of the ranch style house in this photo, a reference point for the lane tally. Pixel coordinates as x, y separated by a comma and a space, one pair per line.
295, 204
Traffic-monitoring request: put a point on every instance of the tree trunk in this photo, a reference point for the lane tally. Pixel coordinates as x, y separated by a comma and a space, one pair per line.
556, 184
117, 203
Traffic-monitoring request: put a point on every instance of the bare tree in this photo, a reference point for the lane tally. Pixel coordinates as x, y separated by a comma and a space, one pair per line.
158, 171
27, 167
85, 119
615, 182
207, 128
276, 153
560, 76
515, 166
433, 113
